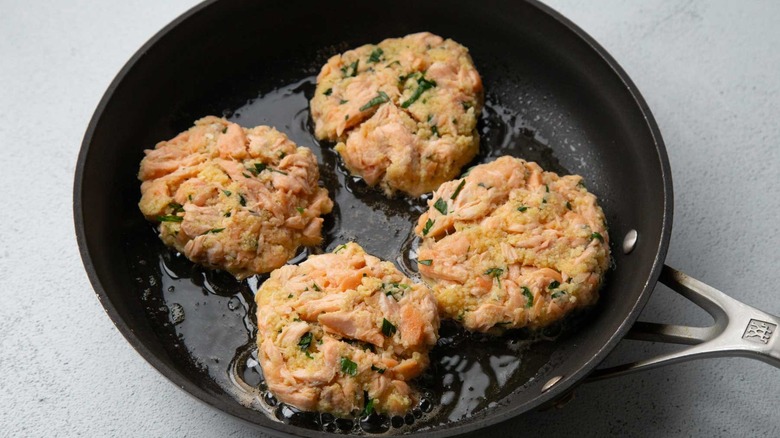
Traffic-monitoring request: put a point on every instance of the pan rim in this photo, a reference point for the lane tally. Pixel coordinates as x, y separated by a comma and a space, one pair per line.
563, 386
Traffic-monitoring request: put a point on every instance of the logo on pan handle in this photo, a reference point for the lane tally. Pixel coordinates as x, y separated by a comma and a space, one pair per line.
759, 331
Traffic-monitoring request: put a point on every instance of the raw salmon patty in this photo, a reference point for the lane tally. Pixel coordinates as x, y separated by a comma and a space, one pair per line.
404, 112
242, 200
510, 245
344, 332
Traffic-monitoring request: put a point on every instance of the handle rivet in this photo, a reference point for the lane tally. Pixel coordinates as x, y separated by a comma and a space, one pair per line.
550, 383
629, 242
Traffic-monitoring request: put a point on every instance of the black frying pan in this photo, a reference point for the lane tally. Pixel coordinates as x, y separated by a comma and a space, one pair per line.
554, 96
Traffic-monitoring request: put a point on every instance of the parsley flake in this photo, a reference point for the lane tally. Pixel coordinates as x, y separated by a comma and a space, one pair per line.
458, 189
305, 341
427, 227
441, 205
348, 367
378, 100
423, 85
529, 297
388, 329
376, 55
369, 409
170, 218
495, 273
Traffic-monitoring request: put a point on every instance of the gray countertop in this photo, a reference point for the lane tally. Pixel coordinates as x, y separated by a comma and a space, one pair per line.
710, 72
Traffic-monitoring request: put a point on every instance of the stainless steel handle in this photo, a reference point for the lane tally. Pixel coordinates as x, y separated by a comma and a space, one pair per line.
739, 330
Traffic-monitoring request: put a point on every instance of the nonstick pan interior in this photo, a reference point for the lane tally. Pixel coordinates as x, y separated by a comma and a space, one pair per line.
553, 98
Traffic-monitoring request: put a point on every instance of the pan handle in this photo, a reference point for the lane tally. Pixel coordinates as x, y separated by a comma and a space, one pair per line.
739, 330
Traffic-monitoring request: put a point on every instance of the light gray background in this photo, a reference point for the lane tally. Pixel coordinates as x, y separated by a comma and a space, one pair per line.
710, 71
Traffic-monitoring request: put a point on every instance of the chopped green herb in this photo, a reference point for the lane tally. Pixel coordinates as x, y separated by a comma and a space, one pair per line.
427, 227
466, 105
241, 200
378, 100
435, 130
246, 175
376, 55
557, 294
440, 205
227, 192
342, 101
403, 78
290, 296
300, 209
547, 188
346, 117
393, 63
522, 208
277, 171
308, 355
495, 273
227, 214
170, 218
189, 197
258, 167
177, 208
317, 288
224, 129
458, 189
348, 367
397, 288
553, 284
351, 70
214, 231
597, 235
282, 154
339, 248
388, 329
328, 92
377, 369
529, 297
422, 86
305, 341
369, 408
568, 205
425, 262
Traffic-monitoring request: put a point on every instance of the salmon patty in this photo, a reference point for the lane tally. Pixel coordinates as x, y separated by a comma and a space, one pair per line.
344, 332
510, 245
237, 199
404, 112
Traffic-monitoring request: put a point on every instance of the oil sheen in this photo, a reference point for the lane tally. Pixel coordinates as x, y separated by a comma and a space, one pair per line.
206, 319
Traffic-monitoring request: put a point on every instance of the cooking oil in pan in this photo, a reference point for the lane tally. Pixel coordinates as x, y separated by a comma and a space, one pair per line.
207, 321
